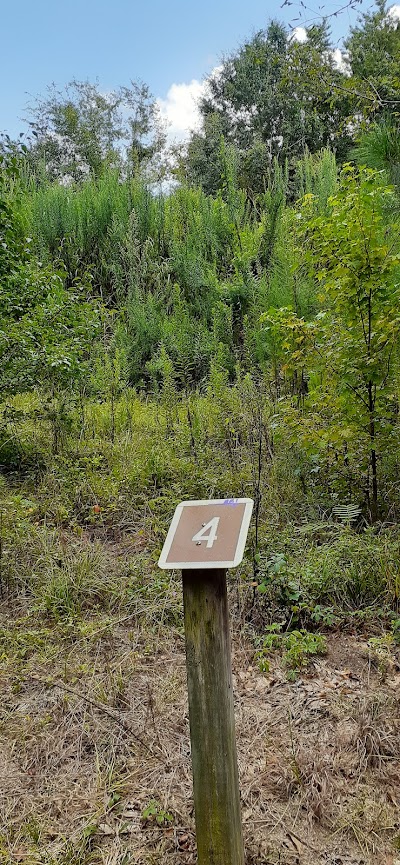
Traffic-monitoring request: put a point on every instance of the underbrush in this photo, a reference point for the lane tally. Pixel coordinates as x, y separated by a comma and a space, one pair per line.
299, 648
345, 576
81, 529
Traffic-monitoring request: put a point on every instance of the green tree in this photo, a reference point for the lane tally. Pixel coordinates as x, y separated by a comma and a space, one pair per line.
46, 330
80, 130
200, 162
373, 53
378, 147
274, 98
347, 354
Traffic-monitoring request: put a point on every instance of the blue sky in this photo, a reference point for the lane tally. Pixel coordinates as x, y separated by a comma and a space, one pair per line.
170, 46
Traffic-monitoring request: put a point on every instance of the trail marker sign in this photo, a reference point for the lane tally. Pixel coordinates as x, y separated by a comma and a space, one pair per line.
205, 538
207, 534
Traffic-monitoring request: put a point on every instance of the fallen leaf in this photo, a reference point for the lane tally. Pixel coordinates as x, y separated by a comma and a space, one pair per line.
297, 844
183, 841
130, 814
105, 829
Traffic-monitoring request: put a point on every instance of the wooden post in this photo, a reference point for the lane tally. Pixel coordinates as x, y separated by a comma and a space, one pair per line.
205, 537
212, 722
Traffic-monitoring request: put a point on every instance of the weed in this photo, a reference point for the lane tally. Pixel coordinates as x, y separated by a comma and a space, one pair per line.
299, 647
154, 812
20, 644
396, 631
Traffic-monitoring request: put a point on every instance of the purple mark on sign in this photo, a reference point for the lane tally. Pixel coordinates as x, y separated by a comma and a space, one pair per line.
231, 502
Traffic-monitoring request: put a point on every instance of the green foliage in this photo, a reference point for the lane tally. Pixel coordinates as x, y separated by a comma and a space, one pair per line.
48, 341
317, 175
261, 336
273, 98
45, 329
341, 364
299, 648
323, 574
373, 52
350, 570
275, 574
82, 131
165, 262
379, 148
396, 630
155, 812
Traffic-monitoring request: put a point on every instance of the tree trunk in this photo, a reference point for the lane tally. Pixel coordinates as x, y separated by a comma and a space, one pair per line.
374, 467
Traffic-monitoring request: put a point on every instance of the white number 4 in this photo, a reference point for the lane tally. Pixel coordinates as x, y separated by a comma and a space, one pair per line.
208, 533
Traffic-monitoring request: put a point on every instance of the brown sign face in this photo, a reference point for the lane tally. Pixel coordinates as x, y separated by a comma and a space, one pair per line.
207, 534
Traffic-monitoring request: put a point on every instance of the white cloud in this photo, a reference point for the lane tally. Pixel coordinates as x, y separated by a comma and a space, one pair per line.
180, 108
340, 61
299, 34
394, 13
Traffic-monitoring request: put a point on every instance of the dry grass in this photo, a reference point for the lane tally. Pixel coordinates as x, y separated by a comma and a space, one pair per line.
377, 740
94, 728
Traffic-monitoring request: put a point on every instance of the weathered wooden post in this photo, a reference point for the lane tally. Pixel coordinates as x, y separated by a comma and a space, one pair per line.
206, 538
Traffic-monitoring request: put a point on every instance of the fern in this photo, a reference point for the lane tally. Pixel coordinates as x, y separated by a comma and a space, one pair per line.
346, 513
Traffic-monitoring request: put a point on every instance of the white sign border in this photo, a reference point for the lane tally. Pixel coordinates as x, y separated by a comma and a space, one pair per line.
162, 562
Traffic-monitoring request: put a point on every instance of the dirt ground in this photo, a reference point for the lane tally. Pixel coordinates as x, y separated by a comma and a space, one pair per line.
95, 751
